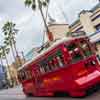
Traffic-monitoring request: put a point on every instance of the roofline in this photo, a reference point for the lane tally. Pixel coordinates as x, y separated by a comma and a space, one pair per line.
93, 9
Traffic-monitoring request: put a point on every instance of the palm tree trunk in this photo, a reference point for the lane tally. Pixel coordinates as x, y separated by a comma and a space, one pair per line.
1, 61
19, 61
8, 70
49, 34
8, 67
13, 54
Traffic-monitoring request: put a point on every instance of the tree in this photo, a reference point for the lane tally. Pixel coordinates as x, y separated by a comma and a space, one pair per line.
40, 4
10, 32
8, 42
4, 51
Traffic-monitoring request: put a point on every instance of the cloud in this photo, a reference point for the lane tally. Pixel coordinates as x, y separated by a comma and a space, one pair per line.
75, 6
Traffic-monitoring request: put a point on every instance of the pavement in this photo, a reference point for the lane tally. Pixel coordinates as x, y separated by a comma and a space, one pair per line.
17, 94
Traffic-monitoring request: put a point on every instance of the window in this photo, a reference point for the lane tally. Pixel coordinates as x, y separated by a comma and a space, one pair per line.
71, 47
52, 62
44, 66
56, 64
42, 69
60, 59
75, 53
28, 74
19, 75
98, 16
76, 56
97, 26
24, 75
79, 29
85, 47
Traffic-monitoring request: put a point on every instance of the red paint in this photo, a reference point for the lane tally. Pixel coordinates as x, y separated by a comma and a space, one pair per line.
64, 78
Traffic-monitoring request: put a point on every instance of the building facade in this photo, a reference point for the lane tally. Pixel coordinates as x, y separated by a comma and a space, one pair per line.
58, 30
89, 22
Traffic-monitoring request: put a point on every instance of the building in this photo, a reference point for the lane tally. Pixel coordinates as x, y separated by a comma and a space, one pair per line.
58, 30
89, 22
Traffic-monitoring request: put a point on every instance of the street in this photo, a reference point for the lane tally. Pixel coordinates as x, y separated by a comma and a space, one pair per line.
16, 94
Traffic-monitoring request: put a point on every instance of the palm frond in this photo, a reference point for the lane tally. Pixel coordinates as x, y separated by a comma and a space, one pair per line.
7, 43
44, 4
7, 50
33, 7
28, 2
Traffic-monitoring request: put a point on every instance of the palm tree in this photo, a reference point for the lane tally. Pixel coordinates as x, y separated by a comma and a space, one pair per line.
8, 42
40, 4
10, 32
4, 51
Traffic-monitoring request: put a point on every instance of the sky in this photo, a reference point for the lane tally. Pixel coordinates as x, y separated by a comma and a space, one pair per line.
30, 24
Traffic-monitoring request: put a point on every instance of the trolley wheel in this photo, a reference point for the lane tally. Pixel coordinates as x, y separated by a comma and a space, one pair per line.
29, 95
78, 94
60, 94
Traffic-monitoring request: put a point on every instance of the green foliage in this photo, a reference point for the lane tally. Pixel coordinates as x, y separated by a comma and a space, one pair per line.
9, 28
36, 3
10, 32
3, 51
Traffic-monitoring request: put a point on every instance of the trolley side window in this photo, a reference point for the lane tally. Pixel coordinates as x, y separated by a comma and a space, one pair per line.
60, 59
24, 75
52, 62
56, 60
44, 67
75, 53
86, 48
